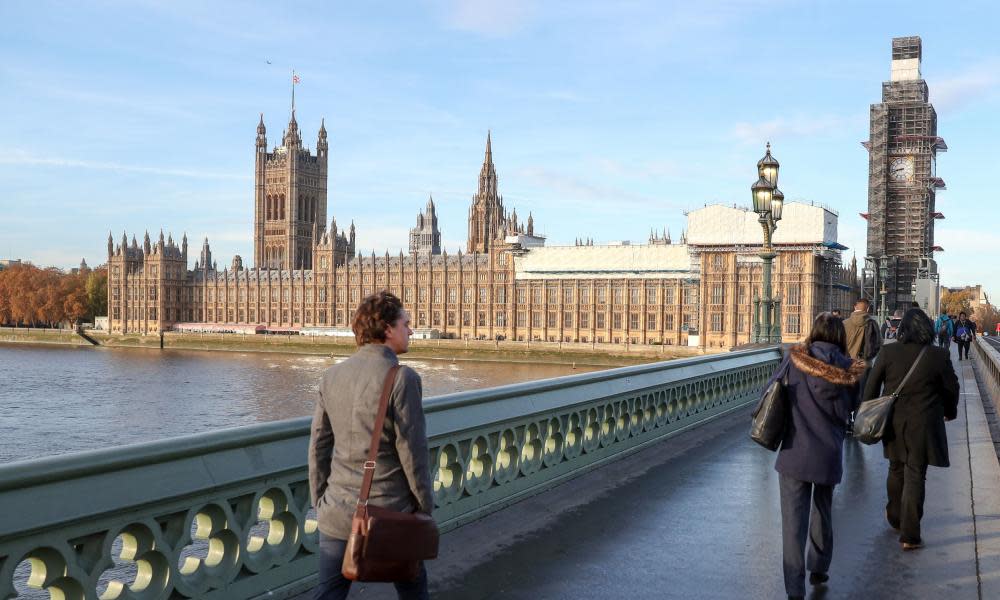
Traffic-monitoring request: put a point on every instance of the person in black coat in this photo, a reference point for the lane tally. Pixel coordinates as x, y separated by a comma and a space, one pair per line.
822, 387
917, 437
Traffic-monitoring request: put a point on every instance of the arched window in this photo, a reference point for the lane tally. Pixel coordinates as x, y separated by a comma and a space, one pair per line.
281, 208
267, 208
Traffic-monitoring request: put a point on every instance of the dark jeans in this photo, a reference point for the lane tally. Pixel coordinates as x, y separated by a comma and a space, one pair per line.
905, 486
806, 512
333, 585
963, 346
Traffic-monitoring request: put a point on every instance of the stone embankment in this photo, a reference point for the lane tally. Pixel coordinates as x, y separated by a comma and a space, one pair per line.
503, 351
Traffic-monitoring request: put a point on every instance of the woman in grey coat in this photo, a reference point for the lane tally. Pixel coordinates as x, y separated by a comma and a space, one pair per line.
342, 431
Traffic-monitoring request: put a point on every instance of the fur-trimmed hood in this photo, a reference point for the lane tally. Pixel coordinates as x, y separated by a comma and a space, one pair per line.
825, 371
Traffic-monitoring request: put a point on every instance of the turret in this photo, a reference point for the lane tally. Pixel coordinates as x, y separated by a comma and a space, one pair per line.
531, 224
146, 246
261, 135
111, 245
321, 143
206, 254
184, 249
291, 138
160, 243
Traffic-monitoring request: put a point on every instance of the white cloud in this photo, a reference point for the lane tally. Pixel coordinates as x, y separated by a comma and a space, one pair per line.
21, 158
797, 126
977, 82
488, 17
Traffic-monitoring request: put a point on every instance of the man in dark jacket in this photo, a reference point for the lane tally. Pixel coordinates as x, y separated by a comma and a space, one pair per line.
917, 437
965, 332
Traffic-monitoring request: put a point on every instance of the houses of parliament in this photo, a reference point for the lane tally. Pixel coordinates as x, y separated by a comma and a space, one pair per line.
307, 275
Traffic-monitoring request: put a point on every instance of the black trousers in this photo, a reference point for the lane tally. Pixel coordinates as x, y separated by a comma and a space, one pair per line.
963, 346
905, 486
806, 514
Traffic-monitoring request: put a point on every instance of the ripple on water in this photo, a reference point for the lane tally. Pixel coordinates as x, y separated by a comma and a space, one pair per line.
55, 400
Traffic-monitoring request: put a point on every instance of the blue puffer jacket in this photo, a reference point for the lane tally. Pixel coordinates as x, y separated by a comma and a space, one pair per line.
946, 321
822, 390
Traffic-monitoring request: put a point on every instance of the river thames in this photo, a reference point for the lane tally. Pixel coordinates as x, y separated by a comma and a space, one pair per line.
55, 400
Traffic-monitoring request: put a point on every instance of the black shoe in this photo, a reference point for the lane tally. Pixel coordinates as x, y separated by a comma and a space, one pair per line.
818, 578
796, 598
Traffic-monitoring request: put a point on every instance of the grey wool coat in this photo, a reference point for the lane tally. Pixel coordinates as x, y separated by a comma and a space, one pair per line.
341, 433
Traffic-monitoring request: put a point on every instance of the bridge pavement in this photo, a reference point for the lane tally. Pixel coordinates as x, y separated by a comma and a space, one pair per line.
698, 517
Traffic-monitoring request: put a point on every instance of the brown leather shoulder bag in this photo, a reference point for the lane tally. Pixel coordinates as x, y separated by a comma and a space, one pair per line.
386, 545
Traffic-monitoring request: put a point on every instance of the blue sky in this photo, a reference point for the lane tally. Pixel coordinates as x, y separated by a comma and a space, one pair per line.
607, 117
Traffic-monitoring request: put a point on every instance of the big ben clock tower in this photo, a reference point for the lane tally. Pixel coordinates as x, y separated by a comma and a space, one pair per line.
902, 179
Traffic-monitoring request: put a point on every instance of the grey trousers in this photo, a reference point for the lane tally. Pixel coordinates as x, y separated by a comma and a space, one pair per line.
806, 514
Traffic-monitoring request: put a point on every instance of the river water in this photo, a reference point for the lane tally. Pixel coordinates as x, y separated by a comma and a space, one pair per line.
58, 399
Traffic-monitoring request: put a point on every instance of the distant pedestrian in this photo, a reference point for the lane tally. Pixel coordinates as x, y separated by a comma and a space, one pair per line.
836, 312
342, 428
822, 384
965, 332
864, 339
917, 436
944, 328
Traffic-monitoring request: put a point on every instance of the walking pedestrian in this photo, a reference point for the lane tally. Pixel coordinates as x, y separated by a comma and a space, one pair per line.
965, 331
917, 436
342, 430
821, 384
864, 340
945, 329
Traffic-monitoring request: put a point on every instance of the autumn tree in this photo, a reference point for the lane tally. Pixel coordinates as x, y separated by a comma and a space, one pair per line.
957, 302
47, 297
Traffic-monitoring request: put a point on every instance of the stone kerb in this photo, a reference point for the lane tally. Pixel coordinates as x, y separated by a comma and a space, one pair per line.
227, 514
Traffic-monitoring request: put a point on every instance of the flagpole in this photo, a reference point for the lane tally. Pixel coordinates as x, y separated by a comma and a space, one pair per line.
293, 92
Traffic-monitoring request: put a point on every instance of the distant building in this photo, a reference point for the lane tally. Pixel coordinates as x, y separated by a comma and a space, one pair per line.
509, 285
425, 238
9, 262
977, 296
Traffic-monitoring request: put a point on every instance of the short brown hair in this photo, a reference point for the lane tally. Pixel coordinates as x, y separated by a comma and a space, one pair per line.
374, 315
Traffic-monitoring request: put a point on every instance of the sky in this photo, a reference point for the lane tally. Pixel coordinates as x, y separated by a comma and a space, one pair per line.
607, 118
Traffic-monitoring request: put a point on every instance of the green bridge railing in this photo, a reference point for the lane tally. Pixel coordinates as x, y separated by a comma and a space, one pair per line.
227, 514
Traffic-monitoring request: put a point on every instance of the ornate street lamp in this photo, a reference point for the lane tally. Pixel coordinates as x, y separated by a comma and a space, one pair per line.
768, 203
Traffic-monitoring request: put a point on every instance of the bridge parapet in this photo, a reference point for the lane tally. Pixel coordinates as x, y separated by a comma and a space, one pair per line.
988, 360
227, 514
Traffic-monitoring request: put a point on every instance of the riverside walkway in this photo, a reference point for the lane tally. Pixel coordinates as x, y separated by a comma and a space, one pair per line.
697, 516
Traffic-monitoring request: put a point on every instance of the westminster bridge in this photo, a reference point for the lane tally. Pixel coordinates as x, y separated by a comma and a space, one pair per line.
637, 482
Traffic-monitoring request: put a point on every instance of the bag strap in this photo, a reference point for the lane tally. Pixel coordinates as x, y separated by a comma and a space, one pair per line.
913, 368
383, 407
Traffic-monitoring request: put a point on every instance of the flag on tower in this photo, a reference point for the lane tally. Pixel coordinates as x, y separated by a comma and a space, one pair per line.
295, 78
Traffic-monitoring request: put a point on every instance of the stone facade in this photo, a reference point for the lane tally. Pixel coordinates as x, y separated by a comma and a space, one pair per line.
509, 286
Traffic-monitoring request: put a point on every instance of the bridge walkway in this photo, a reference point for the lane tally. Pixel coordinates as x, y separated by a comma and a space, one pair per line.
697, 516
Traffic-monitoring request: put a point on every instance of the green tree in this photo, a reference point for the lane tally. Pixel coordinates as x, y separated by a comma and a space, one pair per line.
97, 292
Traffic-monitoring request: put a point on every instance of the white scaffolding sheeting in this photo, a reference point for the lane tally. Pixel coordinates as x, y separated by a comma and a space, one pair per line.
581, 262
801, 223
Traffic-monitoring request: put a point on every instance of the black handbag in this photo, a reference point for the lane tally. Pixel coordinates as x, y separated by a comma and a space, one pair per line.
770, 418
875, 415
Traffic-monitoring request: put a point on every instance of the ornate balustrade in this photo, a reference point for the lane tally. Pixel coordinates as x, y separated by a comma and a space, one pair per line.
227, 514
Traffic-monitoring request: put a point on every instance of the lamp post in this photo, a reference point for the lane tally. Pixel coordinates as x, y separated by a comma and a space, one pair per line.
768, 202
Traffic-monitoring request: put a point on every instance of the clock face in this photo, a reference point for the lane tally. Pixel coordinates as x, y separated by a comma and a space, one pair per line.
901, 169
